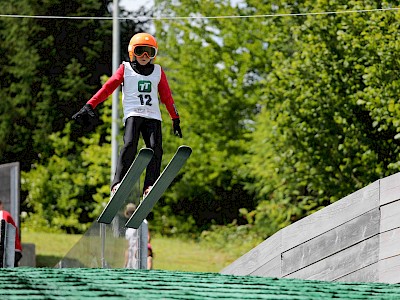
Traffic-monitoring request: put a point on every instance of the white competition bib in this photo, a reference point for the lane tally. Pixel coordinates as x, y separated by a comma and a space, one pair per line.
140, 93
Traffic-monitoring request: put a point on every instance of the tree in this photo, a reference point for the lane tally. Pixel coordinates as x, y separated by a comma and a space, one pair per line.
330, 115
299, 111
210, 69
285, 114
68, 191
50, 68
38, 54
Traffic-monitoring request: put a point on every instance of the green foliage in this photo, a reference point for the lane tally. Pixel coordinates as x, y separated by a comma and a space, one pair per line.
18, 76
238, 238
69, 190
212, 87
43, 81
50, 68
298, 111
285, 115
328, 126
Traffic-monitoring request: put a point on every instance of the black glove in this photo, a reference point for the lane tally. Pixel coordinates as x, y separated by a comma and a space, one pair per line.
86, 117
176, 127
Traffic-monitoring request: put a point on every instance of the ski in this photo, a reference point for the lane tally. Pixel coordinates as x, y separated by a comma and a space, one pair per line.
159, 187
117, 200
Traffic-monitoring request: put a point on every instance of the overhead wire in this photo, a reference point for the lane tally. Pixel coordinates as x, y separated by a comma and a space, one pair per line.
160, 18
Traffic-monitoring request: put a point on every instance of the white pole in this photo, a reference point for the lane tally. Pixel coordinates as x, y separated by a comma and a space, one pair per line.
103, 245
143, 236
9, 249
114, 116
115, 95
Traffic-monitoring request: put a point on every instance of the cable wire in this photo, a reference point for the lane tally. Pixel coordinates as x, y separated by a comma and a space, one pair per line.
205, 17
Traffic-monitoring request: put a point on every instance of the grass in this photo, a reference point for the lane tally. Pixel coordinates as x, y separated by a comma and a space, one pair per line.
178, 255
169, 253
50, 247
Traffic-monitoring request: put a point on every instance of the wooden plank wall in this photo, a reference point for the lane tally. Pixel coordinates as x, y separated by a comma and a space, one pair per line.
356, 239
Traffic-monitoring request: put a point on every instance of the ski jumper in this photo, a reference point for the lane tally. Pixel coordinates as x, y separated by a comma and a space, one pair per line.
141, 86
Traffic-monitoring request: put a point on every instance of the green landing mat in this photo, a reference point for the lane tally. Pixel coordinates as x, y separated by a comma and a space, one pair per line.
79, 283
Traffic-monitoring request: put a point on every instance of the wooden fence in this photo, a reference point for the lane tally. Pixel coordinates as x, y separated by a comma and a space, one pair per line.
356, 239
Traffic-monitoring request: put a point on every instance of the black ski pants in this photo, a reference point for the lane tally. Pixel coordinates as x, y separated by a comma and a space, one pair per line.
152, 136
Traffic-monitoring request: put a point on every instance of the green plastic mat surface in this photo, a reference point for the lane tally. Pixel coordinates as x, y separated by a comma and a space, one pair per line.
79, 283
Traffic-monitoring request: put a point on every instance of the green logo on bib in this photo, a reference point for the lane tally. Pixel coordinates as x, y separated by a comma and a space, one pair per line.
144, 86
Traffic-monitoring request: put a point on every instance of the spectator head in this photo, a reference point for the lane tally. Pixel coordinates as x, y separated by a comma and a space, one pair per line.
129, 210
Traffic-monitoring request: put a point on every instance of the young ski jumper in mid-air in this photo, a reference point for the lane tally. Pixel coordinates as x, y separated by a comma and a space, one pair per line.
142, 81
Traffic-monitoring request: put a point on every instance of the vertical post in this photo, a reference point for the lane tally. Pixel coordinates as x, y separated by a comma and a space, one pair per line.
10, 245
14, 192
114, 115
2, 242
7, 244
143, 235
115, 95
103, 245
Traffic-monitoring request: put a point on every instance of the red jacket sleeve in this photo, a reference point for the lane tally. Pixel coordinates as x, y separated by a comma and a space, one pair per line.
108, 88
166, 97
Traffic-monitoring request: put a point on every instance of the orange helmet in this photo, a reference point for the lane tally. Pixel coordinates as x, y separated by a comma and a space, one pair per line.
142, 43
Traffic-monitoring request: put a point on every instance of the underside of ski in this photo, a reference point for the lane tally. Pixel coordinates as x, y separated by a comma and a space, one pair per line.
131, 177
159, 187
